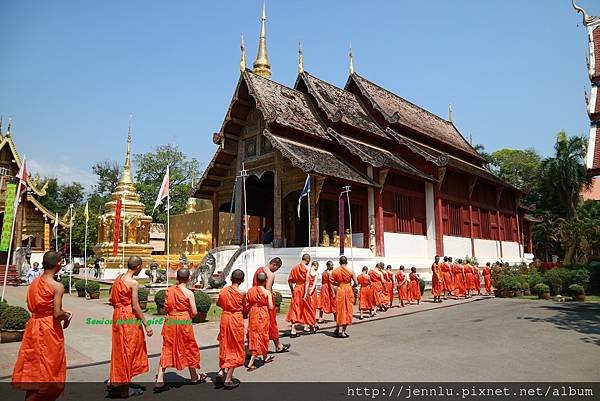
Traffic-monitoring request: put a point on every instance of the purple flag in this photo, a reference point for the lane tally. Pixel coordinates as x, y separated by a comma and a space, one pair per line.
341, 224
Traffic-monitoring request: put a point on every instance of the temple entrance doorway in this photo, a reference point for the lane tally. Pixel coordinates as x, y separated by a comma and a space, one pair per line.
296, 229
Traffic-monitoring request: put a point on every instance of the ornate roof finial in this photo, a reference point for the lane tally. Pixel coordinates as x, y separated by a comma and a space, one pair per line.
9, 127
351, 61
586, 18
450, 112
126, 176
261, 64
300, 59
243, 59
0, 125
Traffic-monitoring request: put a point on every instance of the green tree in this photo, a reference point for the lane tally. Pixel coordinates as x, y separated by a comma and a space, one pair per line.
564, 176
108, 176
520, 168
479, 148
546, 236
150, 170
59, 196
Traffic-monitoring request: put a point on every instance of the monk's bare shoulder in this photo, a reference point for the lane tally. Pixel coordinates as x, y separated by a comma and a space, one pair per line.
188, 292
56, 285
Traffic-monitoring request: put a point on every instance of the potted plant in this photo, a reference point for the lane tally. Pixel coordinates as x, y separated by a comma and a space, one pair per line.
542, 290
577, 292
159, 300
501, 286
526, 289
278, 299
203, 303
143, 297
14, 320
93, 289
80, 287
515, 288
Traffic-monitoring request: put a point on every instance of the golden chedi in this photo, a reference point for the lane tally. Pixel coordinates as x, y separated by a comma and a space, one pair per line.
134, 235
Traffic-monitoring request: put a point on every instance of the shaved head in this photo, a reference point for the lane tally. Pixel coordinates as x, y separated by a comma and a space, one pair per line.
306, 257
237, 277
275, 264
183, 275
134, 262
261, 277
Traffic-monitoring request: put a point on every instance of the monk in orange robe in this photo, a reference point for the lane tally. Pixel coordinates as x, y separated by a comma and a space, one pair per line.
270, 271
180, 349
487, 278
469, 286
365, 296
326, 297
259, 301
458, 277
414, 288
436, 280
299, 281
389, 285
310, 300
41, 366
379, 297
476, 278
129, 356
402, 286
345, 280
231, 332
448, 285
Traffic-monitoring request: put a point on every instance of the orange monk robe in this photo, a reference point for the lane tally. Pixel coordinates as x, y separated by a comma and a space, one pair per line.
389, 285
258, 320
436, 281
459, 281
446, 276
366, 293
476, 279
298, 277
180, 349
308, 316
344, 298
326, 298
487, 279
41, 364
231, 329
273, 327
379, 296
469, 284
129, 356
414, 288
402, 288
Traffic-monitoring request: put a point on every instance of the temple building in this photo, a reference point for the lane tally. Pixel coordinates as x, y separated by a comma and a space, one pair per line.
592, 25
418, 188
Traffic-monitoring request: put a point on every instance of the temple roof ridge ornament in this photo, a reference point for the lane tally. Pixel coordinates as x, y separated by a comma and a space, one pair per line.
351, 60
261, 64
586, 19
243, 56
300, 59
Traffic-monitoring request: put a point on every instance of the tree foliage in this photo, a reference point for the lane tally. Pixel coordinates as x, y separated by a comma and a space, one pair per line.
521, 168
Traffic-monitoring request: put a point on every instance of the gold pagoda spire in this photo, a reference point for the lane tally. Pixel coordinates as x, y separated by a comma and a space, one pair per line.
351, 61
126, 175
300, 59
261, 64
243, 59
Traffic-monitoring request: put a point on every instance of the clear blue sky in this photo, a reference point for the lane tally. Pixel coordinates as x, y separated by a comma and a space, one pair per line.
72, 71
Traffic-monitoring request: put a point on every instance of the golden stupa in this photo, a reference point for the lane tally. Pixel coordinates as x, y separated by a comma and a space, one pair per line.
134, 228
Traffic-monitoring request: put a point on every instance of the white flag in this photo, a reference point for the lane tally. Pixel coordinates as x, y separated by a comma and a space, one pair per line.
55, 226
164, 189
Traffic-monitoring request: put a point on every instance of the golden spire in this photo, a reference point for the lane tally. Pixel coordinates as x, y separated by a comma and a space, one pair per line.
351, 61
126, 175
261, 64
243, 59
450, 112
300, 59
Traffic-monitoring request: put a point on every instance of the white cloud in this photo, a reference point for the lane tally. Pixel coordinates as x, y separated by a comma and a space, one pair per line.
65, 174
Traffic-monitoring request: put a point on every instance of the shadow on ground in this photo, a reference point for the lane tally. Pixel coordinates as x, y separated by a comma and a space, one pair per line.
583, 318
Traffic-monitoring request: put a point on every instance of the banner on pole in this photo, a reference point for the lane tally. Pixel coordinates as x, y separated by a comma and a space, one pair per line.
341, 230
9, 215
117, 228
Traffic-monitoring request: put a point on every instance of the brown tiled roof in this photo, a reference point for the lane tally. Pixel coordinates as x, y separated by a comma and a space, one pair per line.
285, 106
378, 157
398, 110
311, 159
340, 105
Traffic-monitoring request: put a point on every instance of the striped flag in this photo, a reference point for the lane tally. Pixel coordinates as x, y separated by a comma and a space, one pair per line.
55, 226
304, 193
164, 189
87, 212
22, 176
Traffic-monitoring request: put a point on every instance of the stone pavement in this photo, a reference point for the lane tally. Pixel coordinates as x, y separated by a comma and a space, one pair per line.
88, 344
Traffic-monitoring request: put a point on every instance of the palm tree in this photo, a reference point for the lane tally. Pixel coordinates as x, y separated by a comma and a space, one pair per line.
564, 175
546, 235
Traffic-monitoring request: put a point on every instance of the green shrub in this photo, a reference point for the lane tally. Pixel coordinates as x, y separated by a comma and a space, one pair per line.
541, 288
3, 306
278, 298
15, 318
525, 286
65, 282
534, 278
594, 269
203, 301
80, 285
556, 279
422, 286
92, 287
143, 294
502, 282
580, 276
514, 283
159, 298
576, 289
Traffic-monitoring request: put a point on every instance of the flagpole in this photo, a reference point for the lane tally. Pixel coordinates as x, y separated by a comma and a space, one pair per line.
12, 233
309, 221
168, 231
85, 243
55, 232
244, 175
70, 245
124, 239
347, 192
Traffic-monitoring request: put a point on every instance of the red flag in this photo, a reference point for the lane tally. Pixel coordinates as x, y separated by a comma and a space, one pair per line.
341, 224
22, 176
164, 189
117, 228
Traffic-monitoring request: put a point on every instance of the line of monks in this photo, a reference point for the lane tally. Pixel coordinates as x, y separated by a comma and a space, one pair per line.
40, 368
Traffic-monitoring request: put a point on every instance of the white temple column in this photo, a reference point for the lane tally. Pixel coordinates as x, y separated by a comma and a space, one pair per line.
430, 218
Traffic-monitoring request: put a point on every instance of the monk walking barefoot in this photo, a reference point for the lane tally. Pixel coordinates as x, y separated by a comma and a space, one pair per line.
259, 301
389, 285
377, 280
180, 349
402, 286
436, 281
231, 331
365, 295
487, 278
445, 269
326, 297
270, 270
129, 356
299, 281
310, 300
345, 280
41, 366
476, 278
414, 289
